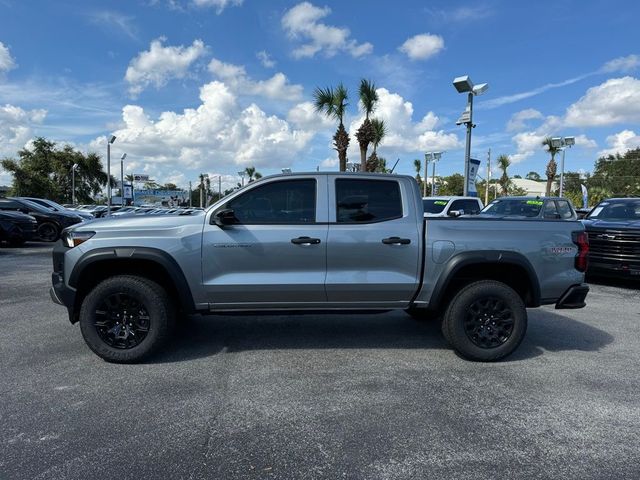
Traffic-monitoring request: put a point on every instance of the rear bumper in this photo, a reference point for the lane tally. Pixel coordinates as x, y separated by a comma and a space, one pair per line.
574, 297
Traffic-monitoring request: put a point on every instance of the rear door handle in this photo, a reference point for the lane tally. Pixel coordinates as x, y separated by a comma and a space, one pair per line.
396, 241
305, 241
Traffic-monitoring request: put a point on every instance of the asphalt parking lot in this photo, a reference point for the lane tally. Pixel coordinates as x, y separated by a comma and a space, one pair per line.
359, 396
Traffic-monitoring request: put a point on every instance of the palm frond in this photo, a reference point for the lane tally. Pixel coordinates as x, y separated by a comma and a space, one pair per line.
368, 96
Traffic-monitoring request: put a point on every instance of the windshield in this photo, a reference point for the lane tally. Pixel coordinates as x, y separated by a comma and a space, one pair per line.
433, 206
628, 209
521, 207
36, 206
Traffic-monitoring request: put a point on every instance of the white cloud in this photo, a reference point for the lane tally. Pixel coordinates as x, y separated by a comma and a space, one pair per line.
16, 127
236, 78
461, 14
304, 116
622, 64
621, 142
160, 64
403, 134
219, 5
423, 46
330, 162
7, 62
302, 22
218, 135
615, 101
518, 120
110, 20
265, 59
530, 143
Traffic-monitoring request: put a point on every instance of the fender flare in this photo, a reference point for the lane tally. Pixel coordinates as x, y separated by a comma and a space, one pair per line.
496, 257
160, 257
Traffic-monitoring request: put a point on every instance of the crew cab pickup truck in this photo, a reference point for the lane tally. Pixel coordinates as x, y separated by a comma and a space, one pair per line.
329, 242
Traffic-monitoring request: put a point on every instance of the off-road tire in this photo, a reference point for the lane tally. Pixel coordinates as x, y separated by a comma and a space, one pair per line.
156, 301
460, 322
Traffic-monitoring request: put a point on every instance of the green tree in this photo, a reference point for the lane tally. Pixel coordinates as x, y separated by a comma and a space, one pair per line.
45, 171
619, 174
169, 186
373, 162
417, 165
333, 102
503, 164
366, 134
533, 176
252, 174
452, 185
552, 166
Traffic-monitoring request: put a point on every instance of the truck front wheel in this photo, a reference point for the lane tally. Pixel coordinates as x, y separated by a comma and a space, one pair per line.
485, 321
126, 318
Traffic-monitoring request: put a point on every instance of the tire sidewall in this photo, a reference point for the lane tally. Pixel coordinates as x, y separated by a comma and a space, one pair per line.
149, 294
457, 311
54, 229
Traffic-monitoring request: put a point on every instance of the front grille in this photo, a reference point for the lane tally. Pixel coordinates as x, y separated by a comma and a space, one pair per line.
620, 244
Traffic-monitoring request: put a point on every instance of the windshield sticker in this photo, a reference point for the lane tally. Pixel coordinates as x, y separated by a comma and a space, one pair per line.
534, 202
440, 202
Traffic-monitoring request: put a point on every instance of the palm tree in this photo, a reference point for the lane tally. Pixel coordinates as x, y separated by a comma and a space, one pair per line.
552, 166
252, 174
503, 163
417, 164
366, 133
333, 102
380, 129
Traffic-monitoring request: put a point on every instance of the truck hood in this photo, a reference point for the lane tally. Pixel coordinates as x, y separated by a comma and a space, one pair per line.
140, 223
611, 224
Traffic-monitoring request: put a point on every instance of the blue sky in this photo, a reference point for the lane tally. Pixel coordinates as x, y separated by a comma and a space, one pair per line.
192, 86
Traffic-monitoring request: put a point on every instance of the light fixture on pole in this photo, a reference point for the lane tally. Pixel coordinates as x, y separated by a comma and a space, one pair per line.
561, 143
124, 155
465, 85
434, 157
242, 173
73, 183
112, 139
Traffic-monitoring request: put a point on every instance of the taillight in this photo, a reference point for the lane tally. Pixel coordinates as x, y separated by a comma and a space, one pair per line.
581, 239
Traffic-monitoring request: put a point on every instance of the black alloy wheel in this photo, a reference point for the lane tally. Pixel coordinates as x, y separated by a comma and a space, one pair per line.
489, 322
48, 232
122, 321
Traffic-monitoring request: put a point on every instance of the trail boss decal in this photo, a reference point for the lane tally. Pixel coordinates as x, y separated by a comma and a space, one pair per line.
562, 250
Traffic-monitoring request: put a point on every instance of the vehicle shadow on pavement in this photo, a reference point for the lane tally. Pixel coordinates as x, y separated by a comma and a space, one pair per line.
208, 335
204, 336
549, 332
627, 283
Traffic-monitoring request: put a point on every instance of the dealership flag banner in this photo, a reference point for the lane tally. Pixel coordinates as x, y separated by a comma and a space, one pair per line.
585, 196
473, 171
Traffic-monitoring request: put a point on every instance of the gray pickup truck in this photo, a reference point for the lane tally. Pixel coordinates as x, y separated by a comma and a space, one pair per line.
330, 242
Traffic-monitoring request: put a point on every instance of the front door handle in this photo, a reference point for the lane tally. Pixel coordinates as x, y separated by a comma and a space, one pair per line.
396, 241
305, 241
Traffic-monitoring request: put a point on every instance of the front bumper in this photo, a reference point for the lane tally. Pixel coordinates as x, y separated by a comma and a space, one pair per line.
614, 267
59, 291
574, 297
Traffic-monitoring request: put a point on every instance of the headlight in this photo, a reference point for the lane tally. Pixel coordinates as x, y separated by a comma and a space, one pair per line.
73, 239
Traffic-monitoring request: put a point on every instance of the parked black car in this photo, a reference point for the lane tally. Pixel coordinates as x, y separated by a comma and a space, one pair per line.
50, 223
17, 228
56, 207
613, 227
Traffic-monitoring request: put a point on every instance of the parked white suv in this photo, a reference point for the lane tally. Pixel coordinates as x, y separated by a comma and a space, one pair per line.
445, 206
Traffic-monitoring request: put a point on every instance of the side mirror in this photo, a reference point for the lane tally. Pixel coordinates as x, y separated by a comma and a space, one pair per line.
455, 213
24, 210
224, 217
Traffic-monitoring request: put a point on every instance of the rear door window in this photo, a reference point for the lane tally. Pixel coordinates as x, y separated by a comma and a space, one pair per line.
550, 211
470, 207
564, 209
367, 201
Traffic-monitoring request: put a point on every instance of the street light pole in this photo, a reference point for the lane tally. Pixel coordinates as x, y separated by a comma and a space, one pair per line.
486, 191
467, 148
562, 172
124, 155
73, 183
562, 143
465, 85
109, 142
426, 173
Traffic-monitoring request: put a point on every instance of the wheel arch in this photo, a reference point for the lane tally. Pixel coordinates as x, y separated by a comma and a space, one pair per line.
151, 263
510, 268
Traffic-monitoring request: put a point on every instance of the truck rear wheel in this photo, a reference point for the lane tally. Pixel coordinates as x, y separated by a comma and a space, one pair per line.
485, 321
126, 318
